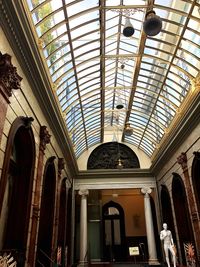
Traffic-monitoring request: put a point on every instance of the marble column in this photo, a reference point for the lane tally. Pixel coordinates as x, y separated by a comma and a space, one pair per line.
9, 80
182, 160
83, 228
149, 226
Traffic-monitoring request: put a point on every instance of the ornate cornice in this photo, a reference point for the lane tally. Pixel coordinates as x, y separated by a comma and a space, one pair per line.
114, 173
44, 138
9, 79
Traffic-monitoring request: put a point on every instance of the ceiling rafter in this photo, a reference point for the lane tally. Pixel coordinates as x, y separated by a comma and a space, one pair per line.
168, 69
102, 64
116, 63
159, 83
75, 72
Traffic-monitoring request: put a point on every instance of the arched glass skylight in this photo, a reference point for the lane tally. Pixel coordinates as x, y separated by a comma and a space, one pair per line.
84, 49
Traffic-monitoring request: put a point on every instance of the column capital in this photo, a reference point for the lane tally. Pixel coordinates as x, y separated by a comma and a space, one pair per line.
83, 192
182, 160
146, 190
44, 138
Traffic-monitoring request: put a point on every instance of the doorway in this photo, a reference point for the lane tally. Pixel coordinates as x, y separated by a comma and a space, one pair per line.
113, 232
16, 189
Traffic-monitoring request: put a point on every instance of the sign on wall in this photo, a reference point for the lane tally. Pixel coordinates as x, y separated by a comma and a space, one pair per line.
134, 251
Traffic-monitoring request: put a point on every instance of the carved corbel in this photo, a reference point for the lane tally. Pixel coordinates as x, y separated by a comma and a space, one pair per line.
9, 79
44, 138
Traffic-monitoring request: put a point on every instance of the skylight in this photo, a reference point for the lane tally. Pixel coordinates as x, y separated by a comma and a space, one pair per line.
84, 50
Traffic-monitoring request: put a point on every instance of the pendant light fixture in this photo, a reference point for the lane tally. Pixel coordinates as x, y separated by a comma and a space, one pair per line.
120, 104
152, 24
128, 30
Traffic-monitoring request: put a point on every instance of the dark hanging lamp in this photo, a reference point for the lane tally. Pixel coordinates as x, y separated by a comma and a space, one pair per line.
128, 30
152, 24
119, 104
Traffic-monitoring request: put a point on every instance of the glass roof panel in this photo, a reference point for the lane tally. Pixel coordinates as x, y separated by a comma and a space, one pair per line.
93, 65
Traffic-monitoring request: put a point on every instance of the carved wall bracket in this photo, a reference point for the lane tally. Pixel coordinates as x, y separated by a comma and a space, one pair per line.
182, 160
9, 79
44, 138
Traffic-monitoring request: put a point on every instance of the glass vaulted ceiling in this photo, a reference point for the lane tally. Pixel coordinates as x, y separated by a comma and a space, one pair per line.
84, 49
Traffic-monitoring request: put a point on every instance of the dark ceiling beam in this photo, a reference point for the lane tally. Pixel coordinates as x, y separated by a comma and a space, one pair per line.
102, 65
138, 61
117, 62
75, 71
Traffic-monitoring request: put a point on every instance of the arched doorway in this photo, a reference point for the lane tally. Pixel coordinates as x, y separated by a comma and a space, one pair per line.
195, 178
113, 232
183, 222
16, 188
45, 233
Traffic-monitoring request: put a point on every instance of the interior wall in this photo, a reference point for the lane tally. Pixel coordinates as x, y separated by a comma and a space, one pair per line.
132, 202
165, 176
24, 103
189, 145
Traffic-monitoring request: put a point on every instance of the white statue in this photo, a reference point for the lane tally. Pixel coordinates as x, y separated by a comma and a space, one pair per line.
166, 236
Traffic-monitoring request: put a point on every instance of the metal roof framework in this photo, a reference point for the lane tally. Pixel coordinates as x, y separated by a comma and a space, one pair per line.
83, 48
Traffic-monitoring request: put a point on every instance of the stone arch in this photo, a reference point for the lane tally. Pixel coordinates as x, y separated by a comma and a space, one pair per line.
16, 186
